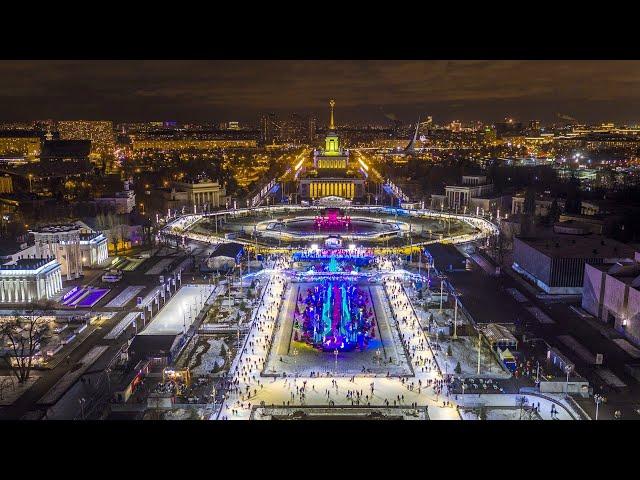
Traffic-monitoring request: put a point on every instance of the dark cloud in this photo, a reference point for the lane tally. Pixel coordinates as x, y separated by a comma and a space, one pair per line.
216, 90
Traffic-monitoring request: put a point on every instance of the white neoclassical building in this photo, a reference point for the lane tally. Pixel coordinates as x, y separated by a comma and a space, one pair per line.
93, 248
29, 280
473, 186
201, 191
70, 247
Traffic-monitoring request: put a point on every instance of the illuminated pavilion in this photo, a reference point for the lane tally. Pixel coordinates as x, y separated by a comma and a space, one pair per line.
332, 175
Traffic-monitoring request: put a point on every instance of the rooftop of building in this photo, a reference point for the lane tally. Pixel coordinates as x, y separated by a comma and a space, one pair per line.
27, 264
63, 228
119, 194
196, 181
10, 247
231, 250
539, 197
145, 345
21, 134
66, 148
626, 271
577, 246
578, 218
89, 236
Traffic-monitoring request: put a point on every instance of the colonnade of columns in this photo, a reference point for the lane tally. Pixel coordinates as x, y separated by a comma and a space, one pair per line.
28, 289
200, 198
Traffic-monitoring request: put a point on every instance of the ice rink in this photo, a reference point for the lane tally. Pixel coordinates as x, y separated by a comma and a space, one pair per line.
179, 311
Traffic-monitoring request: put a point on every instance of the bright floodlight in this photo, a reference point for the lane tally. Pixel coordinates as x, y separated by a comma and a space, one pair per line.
352, 246
314, 246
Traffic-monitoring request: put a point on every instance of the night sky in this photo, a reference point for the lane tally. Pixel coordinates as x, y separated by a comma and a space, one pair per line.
131, 90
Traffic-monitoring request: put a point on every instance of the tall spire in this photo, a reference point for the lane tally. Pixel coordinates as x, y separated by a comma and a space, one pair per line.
332, 103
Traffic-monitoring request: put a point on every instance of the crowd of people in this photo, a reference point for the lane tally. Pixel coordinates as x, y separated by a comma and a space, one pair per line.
253, 354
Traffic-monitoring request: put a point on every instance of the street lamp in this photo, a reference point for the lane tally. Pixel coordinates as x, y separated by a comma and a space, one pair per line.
456, 296
568, 369
442, 279
597, 398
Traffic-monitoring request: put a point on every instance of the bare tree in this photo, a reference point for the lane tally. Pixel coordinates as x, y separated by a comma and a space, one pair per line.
24, 334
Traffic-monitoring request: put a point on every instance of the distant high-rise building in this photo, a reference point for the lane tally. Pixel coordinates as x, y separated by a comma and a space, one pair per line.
313, 126
268, 128
100, 133
293, 129
25, 143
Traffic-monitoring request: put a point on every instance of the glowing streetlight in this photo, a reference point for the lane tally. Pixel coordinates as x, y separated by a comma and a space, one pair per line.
598, 399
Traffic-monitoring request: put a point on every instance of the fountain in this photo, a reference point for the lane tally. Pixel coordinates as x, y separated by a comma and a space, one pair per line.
332, 221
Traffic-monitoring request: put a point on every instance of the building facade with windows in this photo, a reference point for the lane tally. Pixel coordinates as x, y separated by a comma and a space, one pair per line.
611, 293
100, 132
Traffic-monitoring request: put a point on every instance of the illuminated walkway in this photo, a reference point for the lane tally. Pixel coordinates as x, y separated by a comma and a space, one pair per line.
182, 224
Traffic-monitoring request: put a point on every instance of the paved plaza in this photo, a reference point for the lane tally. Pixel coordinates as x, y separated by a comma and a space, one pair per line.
251, 394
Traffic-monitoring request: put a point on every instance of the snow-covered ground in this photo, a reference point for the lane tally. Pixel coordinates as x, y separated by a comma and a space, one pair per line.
500, 414
208, 359
465, 351
184, 414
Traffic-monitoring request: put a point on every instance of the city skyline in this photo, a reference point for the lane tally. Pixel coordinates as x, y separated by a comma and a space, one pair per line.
372, 90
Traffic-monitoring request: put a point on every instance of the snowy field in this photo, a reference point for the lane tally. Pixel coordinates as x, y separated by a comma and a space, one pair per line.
465, 351
185, 414
500, 414
206, 355
181, 310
